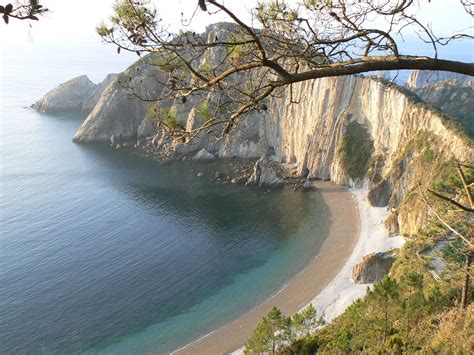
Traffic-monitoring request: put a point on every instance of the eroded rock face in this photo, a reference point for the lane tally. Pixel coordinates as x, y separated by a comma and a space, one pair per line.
118, 111
380, 195
420, 78
453, 98
95, 95
68, 96
264, 176
373, 267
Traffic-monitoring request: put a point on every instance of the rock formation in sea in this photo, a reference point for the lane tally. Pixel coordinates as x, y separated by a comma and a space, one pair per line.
373, 267
264, 175
69, 96
119, 110
310, 136
78, 94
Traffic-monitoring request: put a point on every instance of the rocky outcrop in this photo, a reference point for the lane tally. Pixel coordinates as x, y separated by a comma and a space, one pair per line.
120, 111
203, 155
96, 94
79, 94
373, 267
420, 78
264, 176
380, 194
453, 98
68, 96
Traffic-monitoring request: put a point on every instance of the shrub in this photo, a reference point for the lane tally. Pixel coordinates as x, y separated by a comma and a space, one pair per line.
356, 149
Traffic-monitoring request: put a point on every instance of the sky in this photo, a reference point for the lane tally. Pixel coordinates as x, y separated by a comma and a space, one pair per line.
74, 22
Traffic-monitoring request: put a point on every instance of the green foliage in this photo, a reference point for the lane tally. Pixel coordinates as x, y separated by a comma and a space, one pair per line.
450, 183
270, 334
455, 334
303, 346
408, 311
168, 62
306, 321
170, 118
152, 113
206, 68
275, 332
162, 116
455, 100
237, 49
428, 156
356, 150
134, 19
203, 110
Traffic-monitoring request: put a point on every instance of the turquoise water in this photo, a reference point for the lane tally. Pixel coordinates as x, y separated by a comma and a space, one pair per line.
102, 251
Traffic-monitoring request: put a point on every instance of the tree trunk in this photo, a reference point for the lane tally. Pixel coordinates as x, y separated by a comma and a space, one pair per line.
465, 287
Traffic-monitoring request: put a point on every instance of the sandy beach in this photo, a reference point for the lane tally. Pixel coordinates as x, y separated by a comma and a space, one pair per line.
302, 288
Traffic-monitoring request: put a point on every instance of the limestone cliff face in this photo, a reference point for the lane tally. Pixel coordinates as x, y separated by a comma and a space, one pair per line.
310, 133
420, 78
69, 96
408, 138
402, 128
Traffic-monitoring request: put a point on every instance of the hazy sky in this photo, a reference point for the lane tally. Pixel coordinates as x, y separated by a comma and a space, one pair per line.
75, 21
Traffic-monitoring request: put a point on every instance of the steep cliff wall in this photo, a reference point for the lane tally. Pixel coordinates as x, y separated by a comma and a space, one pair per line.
310, 133
410, 140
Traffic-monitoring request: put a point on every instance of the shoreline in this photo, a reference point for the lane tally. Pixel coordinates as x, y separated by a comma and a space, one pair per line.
300, 290
341, 292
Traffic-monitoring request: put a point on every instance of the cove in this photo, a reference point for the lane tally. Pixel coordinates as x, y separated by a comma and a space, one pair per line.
105, 251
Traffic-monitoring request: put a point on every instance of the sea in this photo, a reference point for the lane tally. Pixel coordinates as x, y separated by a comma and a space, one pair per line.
103, 251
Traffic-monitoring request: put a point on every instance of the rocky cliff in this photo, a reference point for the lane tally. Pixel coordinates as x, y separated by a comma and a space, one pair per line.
78, 94
351, 130
69, 96
453, 98
119, 110
91, 101
420, 78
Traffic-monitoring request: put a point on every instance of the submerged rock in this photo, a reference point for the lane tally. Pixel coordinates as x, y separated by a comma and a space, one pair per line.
264, 176
203, 155
240, 180
373, 267
306, 186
